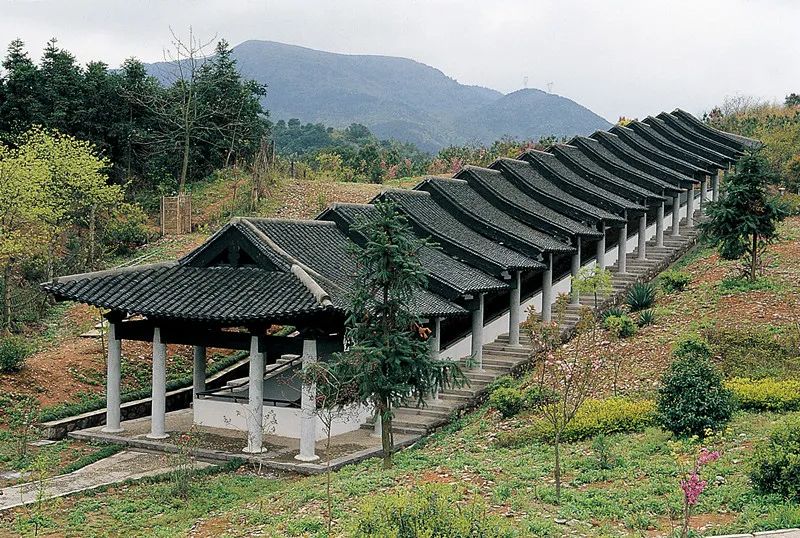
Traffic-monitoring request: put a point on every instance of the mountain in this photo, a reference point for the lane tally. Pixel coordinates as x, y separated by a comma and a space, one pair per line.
401, 98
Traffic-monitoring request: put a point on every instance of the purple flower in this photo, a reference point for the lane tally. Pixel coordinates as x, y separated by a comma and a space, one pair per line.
692, 488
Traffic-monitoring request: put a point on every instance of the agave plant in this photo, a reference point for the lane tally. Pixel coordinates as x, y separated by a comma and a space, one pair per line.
641, 296
647, 317
612, 311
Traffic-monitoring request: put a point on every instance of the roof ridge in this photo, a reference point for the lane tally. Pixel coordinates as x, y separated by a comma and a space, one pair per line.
113, 271
291, 221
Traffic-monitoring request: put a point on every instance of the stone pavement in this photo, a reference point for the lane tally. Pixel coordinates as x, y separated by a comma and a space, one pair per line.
126, 465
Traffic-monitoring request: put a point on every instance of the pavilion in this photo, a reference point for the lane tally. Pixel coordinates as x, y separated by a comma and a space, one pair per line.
505, 234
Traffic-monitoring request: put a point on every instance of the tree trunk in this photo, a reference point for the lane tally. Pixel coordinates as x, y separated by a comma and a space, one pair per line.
386, 437
6, 318
185, 164
754, 259
557, 469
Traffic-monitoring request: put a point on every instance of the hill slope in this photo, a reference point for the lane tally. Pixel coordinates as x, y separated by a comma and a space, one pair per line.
400, 98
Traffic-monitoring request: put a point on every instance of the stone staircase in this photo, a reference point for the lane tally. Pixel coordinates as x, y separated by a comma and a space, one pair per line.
500, 358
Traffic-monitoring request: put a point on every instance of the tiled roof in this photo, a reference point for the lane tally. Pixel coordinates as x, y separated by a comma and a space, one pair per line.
454, 237
731, 139
456, 277
548, 164
640, 144
325, 249
471, 208
645, 132
223, 294
494, 186
700, 138
681, 140
633, 160
587, 159
530, 180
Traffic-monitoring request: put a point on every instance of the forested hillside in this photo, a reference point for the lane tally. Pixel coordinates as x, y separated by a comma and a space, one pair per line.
399, 98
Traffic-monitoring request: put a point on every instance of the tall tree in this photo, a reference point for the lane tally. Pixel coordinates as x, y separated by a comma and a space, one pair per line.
61, 91
388, 360
20, 107
744, 221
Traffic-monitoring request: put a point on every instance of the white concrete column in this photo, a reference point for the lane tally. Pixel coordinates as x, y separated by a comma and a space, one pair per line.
715, 187
159, 395
622, 250
547, 290
199, 371
113, 378
377, 427
703, 186
514, 309
255, 398
308, 406
660, 225
574, 268
676, 215
642, 237
690, 207
435, 344
477, 333
600, 257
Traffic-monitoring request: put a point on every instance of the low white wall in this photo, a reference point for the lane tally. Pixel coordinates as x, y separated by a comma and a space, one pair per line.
463, 347
281, 421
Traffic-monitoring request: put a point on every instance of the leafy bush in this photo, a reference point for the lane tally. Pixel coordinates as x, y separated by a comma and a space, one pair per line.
613, 311
13, 350
743, 285
673, 280
692, 346
692, 398
768, 394
647, 317
125, 230
641, 295
433, 511
507, 400
791, 202
611, 415
502, 382
776, 462
537, 396
620, 326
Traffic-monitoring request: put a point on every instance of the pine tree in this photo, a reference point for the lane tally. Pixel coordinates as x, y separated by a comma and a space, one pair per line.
388, 361
744, 221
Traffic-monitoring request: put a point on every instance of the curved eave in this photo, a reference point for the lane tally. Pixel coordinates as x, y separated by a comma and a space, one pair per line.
667, 146
701, 139
631, 139
682, 140
743, 143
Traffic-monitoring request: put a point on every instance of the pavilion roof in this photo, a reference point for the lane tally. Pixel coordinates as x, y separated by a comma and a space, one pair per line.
739, 142
589, 160
531, 181
632, 159
457, 239
447, 276
645, 133
493, 185
564, 177
678, 138
690, 133
468, 206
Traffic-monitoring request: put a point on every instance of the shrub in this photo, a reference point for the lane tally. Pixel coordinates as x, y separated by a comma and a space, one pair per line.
647, 317
743, 285
537, 396
611, 415
507, 400
613, 311
641, 295
672, 281
755, 351
692, 398
125, 230
620, 326
691, 346
13, 350
434, 511
767, 394
776, 462
791, 202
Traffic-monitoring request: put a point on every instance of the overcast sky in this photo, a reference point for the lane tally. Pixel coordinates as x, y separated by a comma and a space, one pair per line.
618, 57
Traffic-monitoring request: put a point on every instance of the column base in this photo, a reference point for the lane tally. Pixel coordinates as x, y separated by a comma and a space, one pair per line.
112, 430
306, 459
248, 450
157, 436
516, 346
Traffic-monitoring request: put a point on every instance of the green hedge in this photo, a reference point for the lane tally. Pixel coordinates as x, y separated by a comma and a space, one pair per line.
97, 402
612, 415
100, 454
768, 394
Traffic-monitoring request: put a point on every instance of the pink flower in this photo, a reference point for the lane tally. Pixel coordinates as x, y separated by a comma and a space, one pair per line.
692, 488
707, 456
